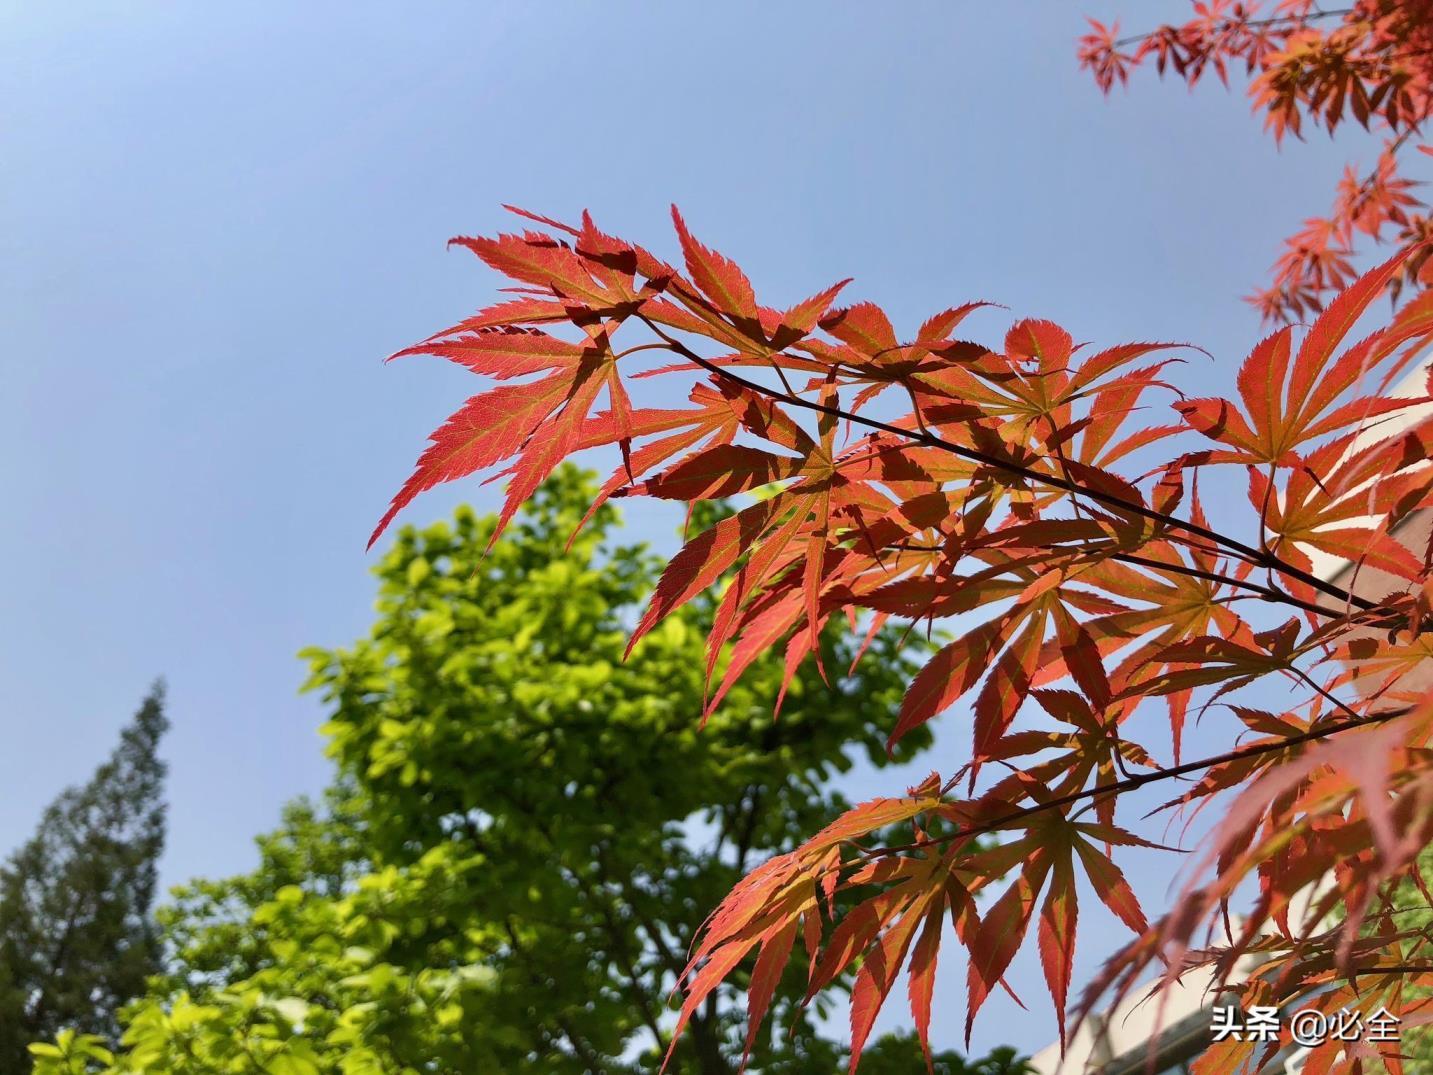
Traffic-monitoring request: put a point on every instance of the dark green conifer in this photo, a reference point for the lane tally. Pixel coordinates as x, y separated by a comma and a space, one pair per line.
77, 939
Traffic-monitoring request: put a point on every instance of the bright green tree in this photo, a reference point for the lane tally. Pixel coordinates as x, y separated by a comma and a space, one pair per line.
524, 836
77, 939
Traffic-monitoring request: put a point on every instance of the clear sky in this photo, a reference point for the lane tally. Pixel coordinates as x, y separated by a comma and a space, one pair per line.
217, 218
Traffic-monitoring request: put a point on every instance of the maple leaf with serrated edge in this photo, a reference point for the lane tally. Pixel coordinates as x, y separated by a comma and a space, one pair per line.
1019, 497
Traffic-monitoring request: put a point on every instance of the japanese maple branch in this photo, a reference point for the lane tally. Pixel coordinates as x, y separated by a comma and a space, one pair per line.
1130, 783
1346, 223
1246, 552
1266, 592
1225, 580
1248, 24
1338, 703
1391, 968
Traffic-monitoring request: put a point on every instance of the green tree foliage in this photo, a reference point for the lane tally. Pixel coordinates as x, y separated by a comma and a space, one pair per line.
77, 939
524, 836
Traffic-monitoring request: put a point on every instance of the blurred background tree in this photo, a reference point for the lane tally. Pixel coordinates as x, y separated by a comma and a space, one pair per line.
77, 937
523, 835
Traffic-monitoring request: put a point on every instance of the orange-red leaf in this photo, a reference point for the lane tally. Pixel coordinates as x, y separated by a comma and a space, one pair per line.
718, 277
485, 430
1058, 916
765, 977
921, 983
948, 675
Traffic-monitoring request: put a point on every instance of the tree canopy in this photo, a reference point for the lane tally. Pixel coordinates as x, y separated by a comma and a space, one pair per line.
524, 833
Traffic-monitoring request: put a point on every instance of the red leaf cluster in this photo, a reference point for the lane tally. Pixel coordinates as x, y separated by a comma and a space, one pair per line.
1020, 489
1371, 61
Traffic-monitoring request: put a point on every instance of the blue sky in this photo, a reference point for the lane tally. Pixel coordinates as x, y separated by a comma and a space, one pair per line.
219, 218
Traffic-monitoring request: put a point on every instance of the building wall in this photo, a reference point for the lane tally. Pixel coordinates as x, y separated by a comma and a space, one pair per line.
1373, 583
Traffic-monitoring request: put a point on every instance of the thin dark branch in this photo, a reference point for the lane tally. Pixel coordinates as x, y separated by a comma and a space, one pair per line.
597, 896
1392, 968
1323, 693
1121, 786
1181, 569
1110, 500
579, 1044
1225, 580
1273, 20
